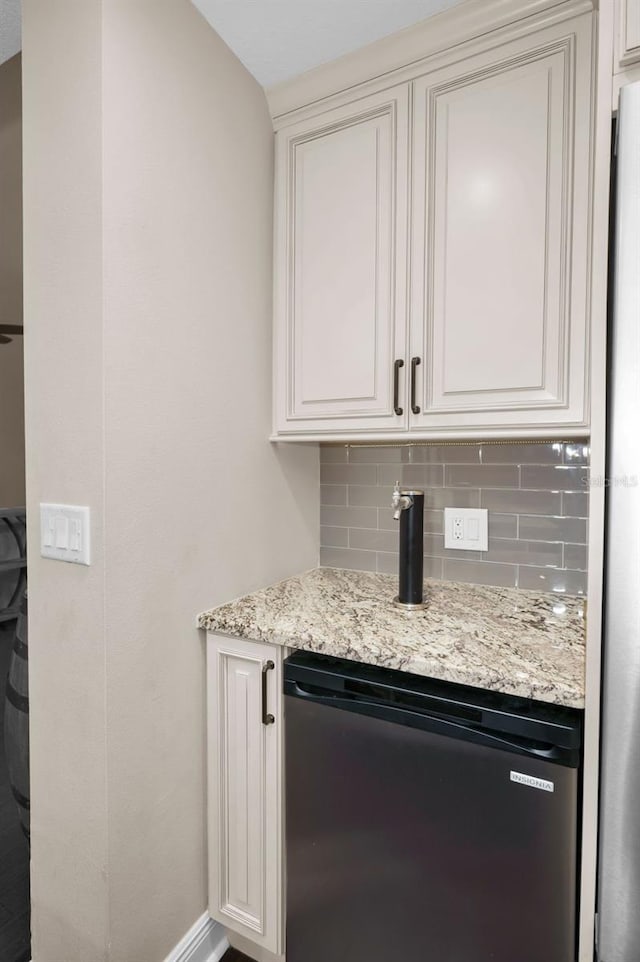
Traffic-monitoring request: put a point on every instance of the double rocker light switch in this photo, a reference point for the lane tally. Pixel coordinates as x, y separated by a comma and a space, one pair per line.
65, 533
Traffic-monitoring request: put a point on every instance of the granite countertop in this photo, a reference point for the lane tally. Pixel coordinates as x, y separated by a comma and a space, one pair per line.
525, 643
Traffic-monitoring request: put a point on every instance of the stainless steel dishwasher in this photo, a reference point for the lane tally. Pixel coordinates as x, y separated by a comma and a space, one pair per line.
425, 821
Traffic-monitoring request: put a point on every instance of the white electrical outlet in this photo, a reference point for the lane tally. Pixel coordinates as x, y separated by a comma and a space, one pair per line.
466, 529
65, 533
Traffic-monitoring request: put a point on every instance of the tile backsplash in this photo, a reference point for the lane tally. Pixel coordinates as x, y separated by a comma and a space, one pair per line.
537, 495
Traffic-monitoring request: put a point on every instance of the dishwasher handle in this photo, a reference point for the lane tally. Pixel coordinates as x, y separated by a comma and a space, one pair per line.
436, 724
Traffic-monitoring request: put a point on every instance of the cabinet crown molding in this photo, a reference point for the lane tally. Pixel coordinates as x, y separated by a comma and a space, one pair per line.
413, 46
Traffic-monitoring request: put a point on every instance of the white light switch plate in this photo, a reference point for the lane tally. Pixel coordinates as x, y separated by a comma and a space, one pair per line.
466, 529
65, 533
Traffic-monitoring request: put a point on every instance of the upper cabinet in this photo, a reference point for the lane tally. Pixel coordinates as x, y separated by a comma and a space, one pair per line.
500, 192
628, 33
626, 52
432, 247
341, 277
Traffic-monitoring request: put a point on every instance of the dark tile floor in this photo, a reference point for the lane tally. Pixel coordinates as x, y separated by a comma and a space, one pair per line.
234, 956
14, 852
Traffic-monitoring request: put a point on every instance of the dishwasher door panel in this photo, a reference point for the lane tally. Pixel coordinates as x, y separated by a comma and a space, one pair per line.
402, 844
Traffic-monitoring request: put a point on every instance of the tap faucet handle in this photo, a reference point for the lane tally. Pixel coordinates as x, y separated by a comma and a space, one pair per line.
395, 500
399, 502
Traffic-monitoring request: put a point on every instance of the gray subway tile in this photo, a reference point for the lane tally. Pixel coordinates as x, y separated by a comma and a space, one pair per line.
554, 477
333, 494
480, 573
575, 504
369, 496
537, 527
521, 502
334, 453
417, 475
379, 454
348, 517
481, 475
388, 474
387, 563
331, 537
577, 452
373, 540
560, 580
452, 498
549, 452
432, 567
447, 453
503, 525
575, 556
348, 474
512, 551
434, 520
434, 547
348, 558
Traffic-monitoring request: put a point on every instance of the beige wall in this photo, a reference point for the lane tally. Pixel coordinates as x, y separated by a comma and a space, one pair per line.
65, 462
11, 362
200, 507
158, 272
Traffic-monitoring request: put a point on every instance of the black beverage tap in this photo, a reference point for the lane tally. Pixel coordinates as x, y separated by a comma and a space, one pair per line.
408, 507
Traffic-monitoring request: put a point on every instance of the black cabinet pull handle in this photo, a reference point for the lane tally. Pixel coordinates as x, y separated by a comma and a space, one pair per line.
396, 387
267, 718
414, 363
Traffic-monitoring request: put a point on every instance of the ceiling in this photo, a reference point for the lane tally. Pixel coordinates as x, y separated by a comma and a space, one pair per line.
279, 39
10, 28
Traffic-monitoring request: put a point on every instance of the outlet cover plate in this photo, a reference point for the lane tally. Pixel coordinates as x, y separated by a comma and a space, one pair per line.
65, 533
466, 529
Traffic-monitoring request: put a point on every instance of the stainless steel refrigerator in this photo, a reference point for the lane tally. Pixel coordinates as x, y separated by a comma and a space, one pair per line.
619, 863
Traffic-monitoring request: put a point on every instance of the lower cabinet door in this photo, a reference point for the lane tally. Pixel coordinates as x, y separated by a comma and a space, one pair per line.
244, 706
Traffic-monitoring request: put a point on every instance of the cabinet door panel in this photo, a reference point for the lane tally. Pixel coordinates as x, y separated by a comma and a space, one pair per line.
340, 222
628, 26
341, 266
245, 838
501, 163
497, 188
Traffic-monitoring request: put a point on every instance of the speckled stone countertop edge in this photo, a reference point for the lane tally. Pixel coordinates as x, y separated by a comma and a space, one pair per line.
524, 643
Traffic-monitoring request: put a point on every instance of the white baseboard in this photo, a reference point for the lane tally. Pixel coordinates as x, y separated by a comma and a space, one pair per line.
204, 942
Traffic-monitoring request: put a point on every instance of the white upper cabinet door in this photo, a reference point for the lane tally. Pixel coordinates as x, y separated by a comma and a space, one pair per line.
341, 268
500, 235
628, 29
